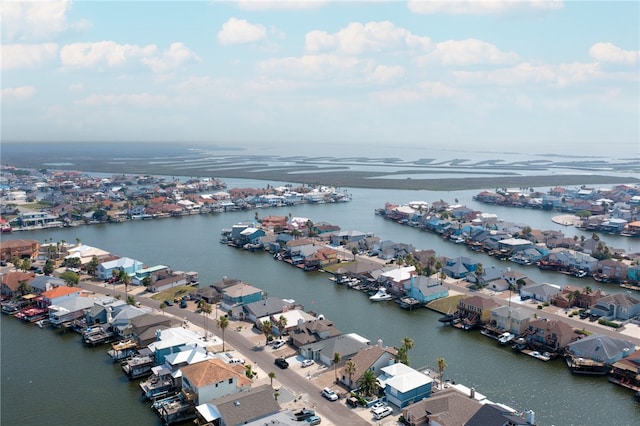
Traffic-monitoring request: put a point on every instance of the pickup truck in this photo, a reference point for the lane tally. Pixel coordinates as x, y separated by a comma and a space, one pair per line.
304, 414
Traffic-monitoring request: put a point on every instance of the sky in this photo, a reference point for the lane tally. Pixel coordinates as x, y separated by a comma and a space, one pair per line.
527, 76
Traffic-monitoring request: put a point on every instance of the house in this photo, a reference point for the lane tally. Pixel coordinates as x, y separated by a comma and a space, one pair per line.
446, 407
312, 331
247, 407
292, 318
213, 379
396, 278
103, 310
549, 335
11, 282
272, 222
42, 283
576, 296
619, 306
59, 294
459, 267
240, 294
23, 249
121, 322
85, 253
476, 309
515, 320
540, 292
497, 415
129, 266
266, 307
425, 289
172, 340
626, 372
144, 328
403, 385
69, 310
323, 351
612, 270
369, 358
601, 348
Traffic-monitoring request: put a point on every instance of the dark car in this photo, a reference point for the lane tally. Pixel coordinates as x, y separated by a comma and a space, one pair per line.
282, 363
183, 303
168, 302
304, 414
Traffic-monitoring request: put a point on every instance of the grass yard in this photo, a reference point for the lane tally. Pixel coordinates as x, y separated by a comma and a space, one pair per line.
446, 305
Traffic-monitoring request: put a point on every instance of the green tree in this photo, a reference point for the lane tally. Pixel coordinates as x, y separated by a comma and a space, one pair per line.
71, 278
336, 359
131, 300
350, 368
205, 309
354, 251
402, 356
588, 290
267, 330
163, 306
16, 261
126, 280
272, 376
92, 266
25, 265
48, 267
248, 371
368, 383
146, 281
281, 324
442, 365
24, 288
223, 323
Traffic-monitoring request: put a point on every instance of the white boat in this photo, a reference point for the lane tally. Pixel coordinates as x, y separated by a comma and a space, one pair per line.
505, 338
381, 295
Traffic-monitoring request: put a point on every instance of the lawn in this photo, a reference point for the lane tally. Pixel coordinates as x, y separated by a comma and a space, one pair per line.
172, 293
446, 305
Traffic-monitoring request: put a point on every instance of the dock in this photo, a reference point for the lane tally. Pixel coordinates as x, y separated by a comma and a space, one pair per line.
542, 356
579, 365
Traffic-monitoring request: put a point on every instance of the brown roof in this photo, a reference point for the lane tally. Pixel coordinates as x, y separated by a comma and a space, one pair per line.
12, 279
367, 356
214, 371
448, 407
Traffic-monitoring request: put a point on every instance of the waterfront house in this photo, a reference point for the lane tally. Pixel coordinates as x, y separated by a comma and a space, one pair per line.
611, 270
121, 322
129, 266
212, 379
69, 310
292, 317
312, 331
154, 272
293, 249
344, 237
11, 282
172, 279
476, 309
626, 371
513, 319
549, 335
619, 306
144, 328
514, 245
446, 407
86, 253
247, 407
323, 351
320, 258
265, 308
272, 222
572, 260
601, 348
103, 310
459, 267
403, 385
498, 414
425, 289
172, 340
396, 278
59, 294
491, 277
576, 296
23, 249
540, 292
370, 358
42, 283
240, 294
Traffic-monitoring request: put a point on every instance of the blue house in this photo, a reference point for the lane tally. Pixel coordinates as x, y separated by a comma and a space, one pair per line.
403, 385
130, 267
240, 294
425, 289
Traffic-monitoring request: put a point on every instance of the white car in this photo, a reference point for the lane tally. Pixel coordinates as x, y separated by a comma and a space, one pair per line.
382, 412
307, 363
377, 406
278, 344
329, 394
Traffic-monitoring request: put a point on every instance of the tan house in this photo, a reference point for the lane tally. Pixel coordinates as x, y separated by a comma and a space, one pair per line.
515, 320
20, 248
370, 358
213, 379
550, 335
476, 309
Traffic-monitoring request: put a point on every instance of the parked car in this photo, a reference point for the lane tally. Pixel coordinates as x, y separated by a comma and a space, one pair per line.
329, 394
183, 303
377, 406
277, 344
168, 302
382, 412
313, 420
307, 363
304, 414
282, 363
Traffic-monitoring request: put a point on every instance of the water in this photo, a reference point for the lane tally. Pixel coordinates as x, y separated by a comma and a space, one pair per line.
49, 376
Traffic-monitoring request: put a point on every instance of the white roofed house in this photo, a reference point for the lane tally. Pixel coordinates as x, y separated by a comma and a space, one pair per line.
69, 310
130, 266
85, 253
513, 319
403, 385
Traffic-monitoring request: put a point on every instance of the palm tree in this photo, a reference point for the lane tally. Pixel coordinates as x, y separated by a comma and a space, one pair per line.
205, 308
126, 280
267, 327
163, 306
223, 323
281, 324
588, 290
336, 359
25, 265
401, 355
407, 343
442, 365
272, 376
350, 369
24, 288
368, 383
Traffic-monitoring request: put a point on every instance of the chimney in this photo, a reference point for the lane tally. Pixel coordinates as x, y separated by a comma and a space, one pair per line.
472, 393
380, 343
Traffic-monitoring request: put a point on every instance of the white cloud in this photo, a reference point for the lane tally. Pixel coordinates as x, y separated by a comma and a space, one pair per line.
21, 56
36, 20
358, 38
76, 87
171, 59
102, 53
316, 67
481, 7
18, 93
133, 99
609, 52
467, 52
527, 73
279, 4
422, 91
383, 74
240, 31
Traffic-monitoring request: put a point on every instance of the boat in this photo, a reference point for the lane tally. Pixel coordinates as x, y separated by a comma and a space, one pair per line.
448, 318
546, 356
579, 365
381, 295
505, 338
43, 322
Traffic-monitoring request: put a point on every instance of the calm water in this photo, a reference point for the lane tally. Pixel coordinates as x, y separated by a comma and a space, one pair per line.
49, 376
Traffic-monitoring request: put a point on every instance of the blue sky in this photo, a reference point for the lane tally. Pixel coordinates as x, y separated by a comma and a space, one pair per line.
528, 76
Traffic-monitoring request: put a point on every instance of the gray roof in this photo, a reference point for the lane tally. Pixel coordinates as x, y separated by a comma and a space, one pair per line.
40, 282
265, 307
600, 348
243, 407
345, 344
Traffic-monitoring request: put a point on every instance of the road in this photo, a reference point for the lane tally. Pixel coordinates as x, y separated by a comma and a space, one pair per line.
336, 413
